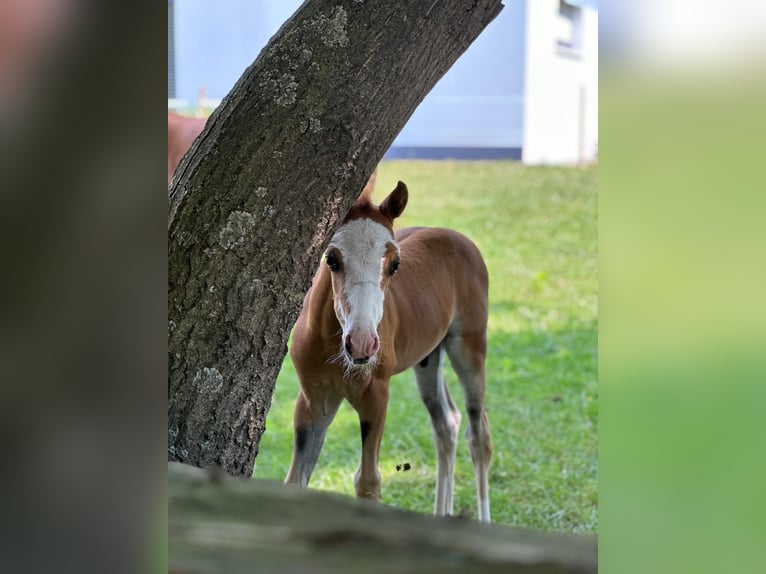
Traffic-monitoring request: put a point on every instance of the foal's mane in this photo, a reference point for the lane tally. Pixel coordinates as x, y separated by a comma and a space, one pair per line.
363, 207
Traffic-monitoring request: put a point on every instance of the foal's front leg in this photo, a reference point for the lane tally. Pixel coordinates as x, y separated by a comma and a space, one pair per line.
372, 418
312, 417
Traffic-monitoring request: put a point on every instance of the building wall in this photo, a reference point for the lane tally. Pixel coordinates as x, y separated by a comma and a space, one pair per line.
509, 95
216, 41
479, 102
561, 111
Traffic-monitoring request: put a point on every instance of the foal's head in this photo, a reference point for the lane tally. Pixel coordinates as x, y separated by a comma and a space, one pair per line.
363, 256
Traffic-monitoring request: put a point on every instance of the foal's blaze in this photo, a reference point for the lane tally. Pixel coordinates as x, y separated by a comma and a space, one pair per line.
363, 256
365, 320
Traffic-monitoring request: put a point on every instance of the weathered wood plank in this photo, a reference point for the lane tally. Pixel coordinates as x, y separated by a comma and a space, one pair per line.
222, 524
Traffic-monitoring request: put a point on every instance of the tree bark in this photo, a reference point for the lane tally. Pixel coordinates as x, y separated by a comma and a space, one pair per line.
225, 524
264, 187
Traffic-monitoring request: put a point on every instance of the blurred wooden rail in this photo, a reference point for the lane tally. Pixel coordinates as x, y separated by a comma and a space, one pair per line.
222, 524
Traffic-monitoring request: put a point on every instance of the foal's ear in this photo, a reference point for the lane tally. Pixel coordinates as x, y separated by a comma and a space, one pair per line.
393, 206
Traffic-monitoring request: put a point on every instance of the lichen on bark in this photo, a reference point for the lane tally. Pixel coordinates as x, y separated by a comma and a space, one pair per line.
236, 230
333, 28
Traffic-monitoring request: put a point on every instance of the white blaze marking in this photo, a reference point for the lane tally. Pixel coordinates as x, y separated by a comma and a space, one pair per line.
362, 243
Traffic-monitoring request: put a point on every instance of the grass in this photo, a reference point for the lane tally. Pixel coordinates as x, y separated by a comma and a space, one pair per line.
536, 227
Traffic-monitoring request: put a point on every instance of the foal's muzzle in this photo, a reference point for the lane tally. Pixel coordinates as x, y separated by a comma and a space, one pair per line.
361, 346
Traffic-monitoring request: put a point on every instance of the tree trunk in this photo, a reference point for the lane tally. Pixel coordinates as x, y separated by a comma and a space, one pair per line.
264, 187
224, 524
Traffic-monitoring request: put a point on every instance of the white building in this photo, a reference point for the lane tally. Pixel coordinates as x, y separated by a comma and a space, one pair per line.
526, 89
561, 82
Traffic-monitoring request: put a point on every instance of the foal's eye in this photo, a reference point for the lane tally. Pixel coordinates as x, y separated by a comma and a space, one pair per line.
332, 262
394, 267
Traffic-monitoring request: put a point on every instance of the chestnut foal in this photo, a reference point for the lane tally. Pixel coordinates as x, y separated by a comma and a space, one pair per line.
360, 325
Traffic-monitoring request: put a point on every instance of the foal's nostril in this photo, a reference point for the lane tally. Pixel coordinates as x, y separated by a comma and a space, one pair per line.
348, 346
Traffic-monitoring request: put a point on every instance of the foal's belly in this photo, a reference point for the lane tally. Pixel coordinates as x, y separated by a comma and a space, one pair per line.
414, 355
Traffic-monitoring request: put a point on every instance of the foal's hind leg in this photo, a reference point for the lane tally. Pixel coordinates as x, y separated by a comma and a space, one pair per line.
445, 420
467, 352
313, 414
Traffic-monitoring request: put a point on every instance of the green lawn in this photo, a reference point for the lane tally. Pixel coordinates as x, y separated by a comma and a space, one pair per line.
536, 227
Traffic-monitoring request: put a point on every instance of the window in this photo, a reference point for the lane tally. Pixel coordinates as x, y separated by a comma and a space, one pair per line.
569, 28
